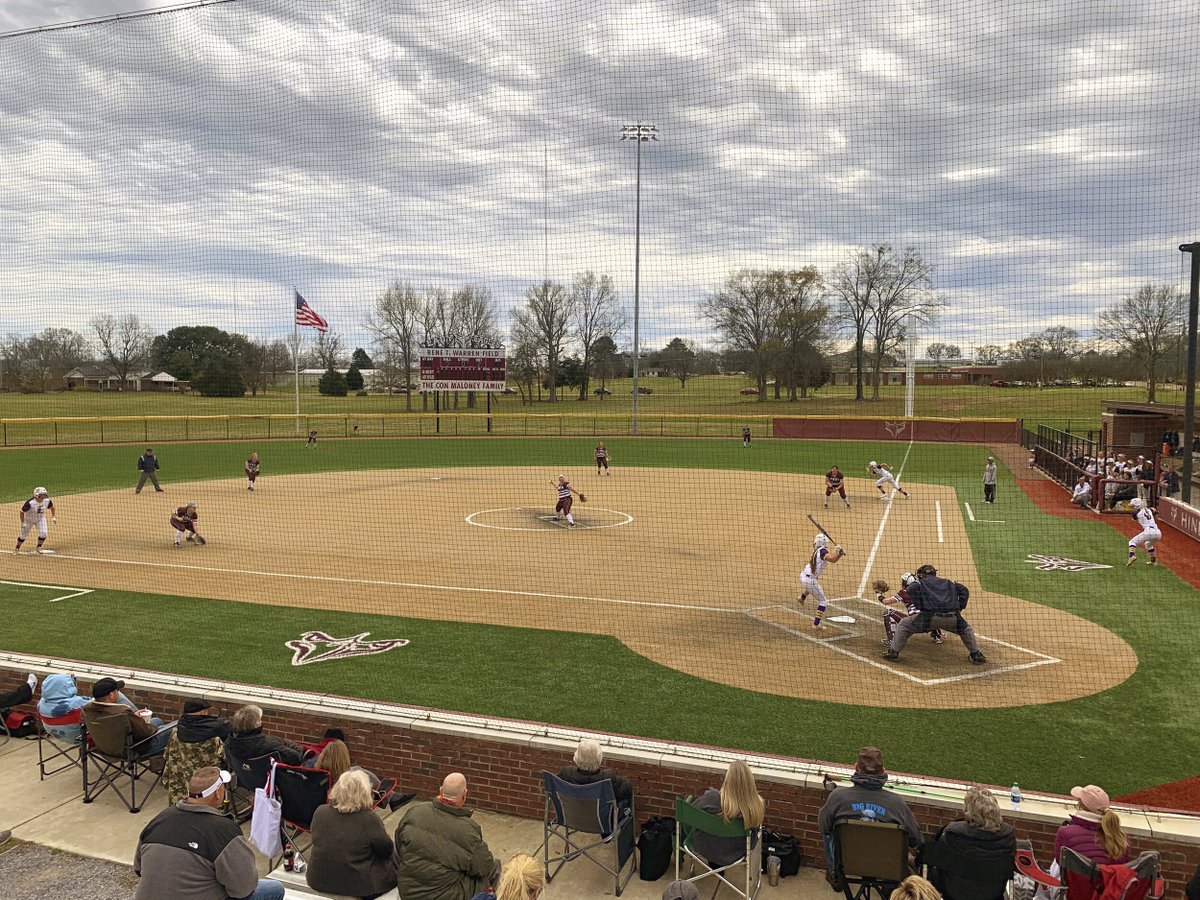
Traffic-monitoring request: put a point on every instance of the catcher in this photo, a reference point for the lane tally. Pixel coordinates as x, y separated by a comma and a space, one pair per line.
183, 520
892, 617
565, 500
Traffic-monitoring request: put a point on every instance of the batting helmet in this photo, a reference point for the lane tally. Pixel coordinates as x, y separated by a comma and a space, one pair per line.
1137, 503
926, 569
40, 492
872, 464
820, 541
907, 578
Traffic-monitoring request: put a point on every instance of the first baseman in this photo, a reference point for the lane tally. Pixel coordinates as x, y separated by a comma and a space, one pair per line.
884, 471
183, 520
1149, 535
810, 577
835, 481
33, 512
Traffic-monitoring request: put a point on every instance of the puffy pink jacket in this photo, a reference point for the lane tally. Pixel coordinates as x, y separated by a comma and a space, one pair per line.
1084, 837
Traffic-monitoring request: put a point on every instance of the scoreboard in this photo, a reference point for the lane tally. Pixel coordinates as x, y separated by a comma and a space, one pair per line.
462, 369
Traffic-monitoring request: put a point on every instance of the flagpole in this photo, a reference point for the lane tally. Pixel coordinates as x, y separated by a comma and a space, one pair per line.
296, 358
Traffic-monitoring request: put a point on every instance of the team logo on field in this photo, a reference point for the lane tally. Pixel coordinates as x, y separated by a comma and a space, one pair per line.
317, 646
1062, 564
894, 428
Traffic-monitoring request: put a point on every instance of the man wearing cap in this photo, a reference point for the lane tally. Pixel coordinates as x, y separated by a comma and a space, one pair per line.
989, 480
105, 716
148, 468
190, 851
200, 723
681, 890
866, 799
33, 515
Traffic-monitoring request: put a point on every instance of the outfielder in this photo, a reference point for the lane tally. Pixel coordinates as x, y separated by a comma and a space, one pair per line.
602, 458
565, 500
884, 472
810, 578
1150, 535
33, 512
252, 468
893, 617
939, 603
183, 520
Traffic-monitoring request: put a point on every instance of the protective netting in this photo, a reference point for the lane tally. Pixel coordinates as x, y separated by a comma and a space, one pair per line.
841, 201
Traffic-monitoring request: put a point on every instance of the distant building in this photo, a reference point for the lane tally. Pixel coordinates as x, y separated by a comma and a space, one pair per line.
99, 378
895, 375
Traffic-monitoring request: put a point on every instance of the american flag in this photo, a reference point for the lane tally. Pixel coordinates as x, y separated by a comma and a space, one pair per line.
306, 315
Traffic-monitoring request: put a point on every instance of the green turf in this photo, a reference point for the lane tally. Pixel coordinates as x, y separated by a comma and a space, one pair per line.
595, 682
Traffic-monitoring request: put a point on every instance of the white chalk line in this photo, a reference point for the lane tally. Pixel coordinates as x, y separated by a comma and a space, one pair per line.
937, 511
970, 515
862, 584
72, 592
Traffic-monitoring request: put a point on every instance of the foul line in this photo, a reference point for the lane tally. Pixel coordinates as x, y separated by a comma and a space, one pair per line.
862, 584
971, 516
937, 510
399, 584
72, 592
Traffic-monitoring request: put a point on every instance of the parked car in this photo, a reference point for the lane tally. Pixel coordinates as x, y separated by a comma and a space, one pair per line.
644, 390
601, 392
999, 383
749, 392
507, 390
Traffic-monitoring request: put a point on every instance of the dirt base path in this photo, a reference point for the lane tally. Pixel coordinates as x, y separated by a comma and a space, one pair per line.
694, 569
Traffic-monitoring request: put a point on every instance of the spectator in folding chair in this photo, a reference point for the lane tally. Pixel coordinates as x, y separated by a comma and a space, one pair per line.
335, 759
522, 878
108, 702
981, 835
737, 796
351, 852
1094, 829
200, 723
586, 769
249, 742
61, 698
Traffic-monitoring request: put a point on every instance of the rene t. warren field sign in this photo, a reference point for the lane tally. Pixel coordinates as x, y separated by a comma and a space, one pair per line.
462, 369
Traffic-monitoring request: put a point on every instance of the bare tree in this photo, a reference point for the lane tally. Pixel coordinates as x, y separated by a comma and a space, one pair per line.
547, 316
597, 315
255, 357
937, 351
46, 357
856, 283
475, 317
525, 357
1145, 325
745, 312
989, 355
803, 327
123, 345
903, 294
279, 360
395, 320
391, 372
330, 350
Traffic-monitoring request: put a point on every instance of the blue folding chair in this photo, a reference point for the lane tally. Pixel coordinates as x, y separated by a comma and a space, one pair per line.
589, 810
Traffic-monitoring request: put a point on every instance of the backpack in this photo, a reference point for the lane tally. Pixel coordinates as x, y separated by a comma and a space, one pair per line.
656, 846
784, 846
19, 724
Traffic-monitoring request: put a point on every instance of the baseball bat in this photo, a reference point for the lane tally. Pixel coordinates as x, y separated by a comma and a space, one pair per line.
821, 529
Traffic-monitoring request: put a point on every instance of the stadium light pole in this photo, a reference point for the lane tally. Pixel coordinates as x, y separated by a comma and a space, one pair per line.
639, 134
1189, 385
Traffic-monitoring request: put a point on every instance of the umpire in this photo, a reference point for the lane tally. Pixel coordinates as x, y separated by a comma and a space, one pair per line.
939, 603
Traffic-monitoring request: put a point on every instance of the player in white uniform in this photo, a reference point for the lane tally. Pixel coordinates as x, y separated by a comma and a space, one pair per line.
1150, 535
884, 473
33, 512
810, 577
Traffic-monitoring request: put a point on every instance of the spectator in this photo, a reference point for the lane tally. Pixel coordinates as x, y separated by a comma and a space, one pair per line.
148, 468
192, 850
200, 723
914, 887
989, 481
22, 693
1094, 829
103, 717
738, 797
249, 742
1169, 484
981, 835
351, 851
1081, 494
681, 890
441, 849
586, 769
61, 697
522, 878
334, 758
866, 799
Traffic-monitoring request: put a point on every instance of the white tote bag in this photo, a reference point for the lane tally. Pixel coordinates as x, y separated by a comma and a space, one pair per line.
264, 824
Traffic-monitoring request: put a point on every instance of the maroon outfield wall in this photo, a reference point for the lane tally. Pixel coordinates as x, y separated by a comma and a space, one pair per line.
1180, 516
953, 431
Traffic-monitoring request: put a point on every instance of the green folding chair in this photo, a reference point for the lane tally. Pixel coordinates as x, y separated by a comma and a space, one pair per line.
690, 821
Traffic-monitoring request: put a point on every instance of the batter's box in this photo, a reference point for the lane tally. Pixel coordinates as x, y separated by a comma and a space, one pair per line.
797, 621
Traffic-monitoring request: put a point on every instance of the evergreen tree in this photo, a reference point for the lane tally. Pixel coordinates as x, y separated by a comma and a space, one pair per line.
219, 376
354, 378
333, 383
361, 359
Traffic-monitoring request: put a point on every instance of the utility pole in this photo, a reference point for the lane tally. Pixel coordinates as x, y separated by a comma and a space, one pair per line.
640, 134
1189, 384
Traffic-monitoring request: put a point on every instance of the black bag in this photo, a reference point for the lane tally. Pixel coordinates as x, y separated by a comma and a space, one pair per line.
656, 845
786, 847
19, 724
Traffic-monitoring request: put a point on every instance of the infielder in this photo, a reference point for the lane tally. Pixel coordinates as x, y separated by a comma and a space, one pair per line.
33, 512
602, 459
835, 481
884, 472
810, 578
893, 617
565, 500
252, 467
183, 520
1150, 535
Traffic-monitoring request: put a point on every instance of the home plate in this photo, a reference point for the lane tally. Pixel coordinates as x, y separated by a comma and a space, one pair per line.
841, 620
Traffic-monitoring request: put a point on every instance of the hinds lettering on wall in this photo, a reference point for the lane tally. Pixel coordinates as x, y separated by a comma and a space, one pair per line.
1180, 516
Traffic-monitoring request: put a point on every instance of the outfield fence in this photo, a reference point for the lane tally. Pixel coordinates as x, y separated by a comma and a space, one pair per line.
173, 429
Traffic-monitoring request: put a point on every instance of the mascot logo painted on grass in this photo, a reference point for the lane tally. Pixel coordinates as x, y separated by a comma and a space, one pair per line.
317, 646
895, 429
1062, 564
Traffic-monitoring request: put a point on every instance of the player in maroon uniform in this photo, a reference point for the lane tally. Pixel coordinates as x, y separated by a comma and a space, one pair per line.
746, 436
252, 467
565, 500
602, 458
892, 617
183, 520
835, 481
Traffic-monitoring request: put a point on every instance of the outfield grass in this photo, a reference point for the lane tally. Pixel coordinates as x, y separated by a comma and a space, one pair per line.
595, 682
707, 395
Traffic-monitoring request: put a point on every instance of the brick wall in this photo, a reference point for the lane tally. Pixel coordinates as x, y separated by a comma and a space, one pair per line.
505, 776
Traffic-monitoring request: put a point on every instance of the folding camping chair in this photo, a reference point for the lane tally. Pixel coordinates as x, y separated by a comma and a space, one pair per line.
181, 760
690, 821
59, 737
301, 792
870, 857
116, 757
248, 775
963, 875
590, 810
1082, 879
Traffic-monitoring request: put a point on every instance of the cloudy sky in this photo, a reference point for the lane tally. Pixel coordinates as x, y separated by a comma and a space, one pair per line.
192, 166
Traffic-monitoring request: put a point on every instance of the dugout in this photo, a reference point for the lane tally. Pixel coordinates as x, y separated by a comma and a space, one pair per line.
1139, 427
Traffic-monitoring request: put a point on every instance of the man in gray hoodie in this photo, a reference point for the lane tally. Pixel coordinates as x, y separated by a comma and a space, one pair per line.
866, 800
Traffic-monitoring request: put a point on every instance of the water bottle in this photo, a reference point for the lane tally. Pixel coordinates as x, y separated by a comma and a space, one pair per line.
289, 861
1015, 795
773, 864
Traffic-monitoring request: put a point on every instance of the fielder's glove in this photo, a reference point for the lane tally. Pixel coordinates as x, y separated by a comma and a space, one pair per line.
200, 539
582, 499
880, 587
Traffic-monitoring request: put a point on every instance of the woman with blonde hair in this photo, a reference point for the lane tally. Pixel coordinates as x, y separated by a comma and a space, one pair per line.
522, 878
981, 835
914, 887
738, 798
1094, 829
351, 851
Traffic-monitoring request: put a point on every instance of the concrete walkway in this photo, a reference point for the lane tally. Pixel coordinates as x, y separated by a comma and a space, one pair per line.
51, 813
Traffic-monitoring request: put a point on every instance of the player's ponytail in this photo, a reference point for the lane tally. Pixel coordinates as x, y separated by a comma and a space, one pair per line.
1115, 843
812, 561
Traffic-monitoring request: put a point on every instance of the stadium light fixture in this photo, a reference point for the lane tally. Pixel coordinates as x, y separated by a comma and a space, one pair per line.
640, 134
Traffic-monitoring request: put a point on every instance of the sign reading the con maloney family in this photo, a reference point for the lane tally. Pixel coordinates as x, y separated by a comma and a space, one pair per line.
1180, 516
317, 646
